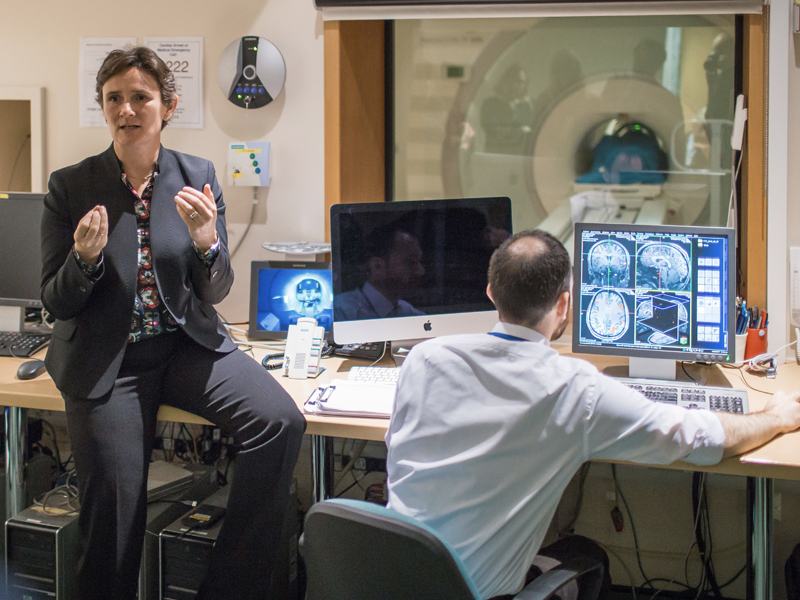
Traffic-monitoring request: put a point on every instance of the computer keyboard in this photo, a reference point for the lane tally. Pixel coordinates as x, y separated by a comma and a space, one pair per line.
374, 375
690, 395
22, 343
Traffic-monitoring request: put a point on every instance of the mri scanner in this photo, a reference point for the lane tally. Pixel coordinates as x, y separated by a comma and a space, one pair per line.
542, 182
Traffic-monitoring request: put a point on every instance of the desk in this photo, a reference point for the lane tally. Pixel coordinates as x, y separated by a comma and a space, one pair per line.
780, 459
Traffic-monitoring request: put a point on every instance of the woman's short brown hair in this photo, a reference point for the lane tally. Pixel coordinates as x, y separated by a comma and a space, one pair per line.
142, 58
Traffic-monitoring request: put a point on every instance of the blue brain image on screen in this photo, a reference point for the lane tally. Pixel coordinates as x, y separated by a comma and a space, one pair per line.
286, 295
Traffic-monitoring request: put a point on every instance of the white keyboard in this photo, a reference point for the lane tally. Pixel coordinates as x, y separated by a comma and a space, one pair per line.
374, 375
689, 395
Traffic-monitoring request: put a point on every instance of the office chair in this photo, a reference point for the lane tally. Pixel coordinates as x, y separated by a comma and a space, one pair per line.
362, 551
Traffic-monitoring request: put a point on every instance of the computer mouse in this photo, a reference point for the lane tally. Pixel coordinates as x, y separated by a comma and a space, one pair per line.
30, 369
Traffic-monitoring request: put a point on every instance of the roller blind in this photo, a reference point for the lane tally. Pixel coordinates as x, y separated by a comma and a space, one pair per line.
349, 10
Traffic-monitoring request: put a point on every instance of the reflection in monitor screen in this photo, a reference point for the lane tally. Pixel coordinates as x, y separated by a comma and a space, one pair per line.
417, 269
654, 291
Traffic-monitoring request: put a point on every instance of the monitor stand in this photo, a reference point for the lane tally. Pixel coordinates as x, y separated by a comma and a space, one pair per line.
653, 368
401, 348
12, 318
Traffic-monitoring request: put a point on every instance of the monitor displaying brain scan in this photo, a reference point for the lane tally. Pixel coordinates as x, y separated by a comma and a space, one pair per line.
652, 290
281, 292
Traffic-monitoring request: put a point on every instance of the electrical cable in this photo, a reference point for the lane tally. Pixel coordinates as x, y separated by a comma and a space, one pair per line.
267, 363
583, 473
624, 566
674, 580
734, 578
352, 485
69, 494
249, 223
683, 366
385, 345
353, 458
700, 511
759, 363
630, 518
55, 443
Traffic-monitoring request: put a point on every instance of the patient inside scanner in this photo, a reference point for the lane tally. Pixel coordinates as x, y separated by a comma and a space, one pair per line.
631, 125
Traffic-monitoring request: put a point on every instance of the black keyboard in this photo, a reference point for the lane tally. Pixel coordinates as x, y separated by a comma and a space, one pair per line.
689, 395
369, 351
22, 343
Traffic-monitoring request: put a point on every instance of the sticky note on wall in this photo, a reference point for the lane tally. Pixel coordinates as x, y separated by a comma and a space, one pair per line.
248, 163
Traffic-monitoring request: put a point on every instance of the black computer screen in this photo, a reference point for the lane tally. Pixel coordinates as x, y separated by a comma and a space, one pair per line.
654, 291
20, 248
418, 257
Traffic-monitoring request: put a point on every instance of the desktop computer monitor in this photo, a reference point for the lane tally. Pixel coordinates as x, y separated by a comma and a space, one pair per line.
20, 247
414, 269
654, 292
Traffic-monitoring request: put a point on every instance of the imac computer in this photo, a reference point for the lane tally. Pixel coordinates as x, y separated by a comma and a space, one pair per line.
20, 245
656, 294
414, 269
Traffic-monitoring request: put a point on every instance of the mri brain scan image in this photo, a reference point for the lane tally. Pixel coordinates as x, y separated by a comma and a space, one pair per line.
661, 319
662, 266
609, 264
607, 316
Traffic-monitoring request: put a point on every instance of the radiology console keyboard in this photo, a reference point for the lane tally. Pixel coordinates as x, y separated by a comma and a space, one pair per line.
690, 395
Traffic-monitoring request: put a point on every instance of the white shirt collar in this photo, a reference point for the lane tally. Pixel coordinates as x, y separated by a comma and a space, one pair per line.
521, 332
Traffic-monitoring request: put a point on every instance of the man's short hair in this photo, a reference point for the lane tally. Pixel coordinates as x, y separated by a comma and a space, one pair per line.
527, 285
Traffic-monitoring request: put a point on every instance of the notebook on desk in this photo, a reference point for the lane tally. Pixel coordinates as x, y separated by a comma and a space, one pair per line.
350, 398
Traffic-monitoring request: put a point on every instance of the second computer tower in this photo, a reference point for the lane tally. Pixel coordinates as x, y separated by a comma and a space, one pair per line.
185, 555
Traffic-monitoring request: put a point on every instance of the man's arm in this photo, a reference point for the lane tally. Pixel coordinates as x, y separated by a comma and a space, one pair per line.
745, 432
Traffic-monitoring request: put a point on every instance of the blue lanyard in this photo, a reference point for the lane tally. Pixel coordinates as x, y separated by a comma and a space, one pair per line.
505, 336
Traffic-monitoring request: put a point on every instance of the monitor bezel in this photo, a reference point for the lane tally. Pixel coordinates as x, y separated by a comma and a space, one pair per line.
253, 332
410, 327
727, 232
27, 197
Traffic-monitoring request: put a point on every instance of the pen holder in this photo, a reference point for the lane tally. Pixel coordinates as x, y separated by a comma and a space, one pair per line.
756, 343
741, 342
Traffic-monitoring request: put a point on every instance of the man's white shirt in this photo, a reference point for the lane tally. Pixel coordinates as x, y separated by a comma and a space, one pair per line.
487, 432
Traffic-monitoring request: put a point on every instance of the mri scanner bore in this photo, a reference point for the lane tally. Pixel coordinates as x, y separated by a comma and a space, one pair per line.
613, 119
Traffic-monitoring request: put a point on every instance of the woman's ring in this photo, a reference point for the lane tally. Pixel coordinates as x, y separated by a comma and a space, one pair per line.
193, 215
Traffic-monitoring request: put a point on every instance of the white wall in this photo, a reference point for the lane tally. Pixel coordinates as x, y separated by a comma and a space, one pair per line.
39, 44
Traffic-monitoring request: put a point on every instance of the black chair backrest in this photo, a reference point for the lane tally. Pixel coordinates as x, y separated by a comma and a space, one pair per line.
354, 554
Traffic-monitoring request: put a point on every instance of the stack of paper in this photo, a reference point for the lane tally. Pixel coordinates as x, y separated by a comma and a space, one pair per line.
351, 399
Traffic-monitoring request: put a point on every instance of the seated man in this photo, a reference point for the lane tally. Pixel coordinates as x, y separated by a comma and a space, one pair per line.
488, 429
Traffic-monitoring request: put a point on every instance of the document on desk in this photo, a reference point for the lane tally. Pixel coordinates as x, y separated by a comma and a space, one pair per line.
351, 399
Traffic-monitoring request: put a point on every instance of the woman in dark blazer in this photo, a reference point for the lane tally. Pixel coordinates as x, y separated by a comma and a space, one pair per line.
135, 256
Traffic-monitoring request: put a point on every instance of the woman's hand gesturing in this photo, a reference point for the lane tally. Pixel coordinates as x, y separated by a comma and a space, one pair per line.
199, 211
91, 235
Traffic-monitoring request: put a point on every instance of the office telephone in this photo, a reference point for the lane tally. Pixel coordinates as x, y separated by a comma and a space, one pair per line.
304, 343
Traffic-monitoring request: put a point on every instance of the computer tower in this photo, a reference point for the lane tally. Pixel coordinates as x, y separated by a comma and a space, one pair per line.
163, 511
185, 555
41, 552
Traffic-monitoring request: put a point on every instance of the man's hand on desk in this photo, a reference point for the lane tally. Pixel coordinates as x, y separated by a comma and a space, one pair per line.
745, 432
